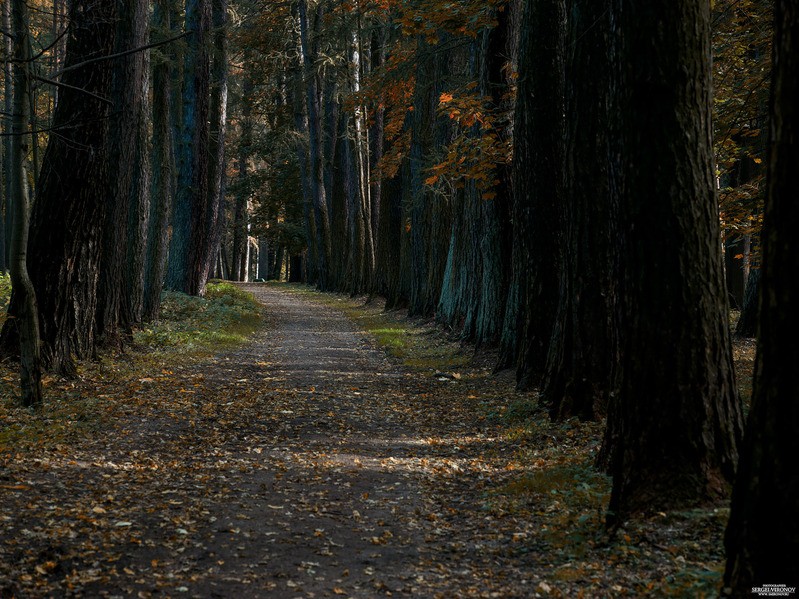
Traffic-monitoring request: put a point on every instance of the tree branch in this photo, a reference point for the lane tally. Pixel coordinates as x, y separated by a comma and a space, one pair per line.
72, 87
85, 63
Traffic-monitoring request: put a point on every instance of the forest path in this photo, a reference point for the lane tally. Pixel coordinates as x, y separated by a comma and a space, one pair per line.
303, 464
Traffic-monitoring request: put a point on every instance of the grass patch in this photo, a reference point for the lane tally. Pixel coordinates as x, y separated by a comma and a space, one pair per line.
226, 316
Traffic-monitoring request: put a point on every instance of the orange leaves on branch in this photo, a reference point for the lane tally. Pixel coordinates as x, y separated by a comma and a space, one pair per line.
478, 147
429, 18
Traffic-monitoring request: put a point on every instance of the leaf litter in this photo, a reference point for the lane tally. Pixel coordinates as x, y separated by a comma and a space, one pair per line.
313, 462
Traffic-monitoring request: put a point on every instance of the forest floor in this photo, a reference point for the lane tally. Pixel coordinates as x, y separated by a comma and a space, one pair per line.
340, 451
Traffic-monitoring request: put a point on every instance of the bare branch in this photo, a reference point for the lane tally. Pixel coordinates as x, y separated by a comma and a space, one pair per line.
72, 87
80, 65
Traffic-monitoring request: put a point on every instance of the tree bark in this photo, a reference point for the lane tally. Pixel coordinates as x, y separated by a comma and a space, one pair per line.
678, 416
430, 215
69, 211
539, 182
316, 164
121, 285
187, 265
747, 322
8, 93
762, 540
303, 150
210, 238
26, 317
163, 164
583, 361
240, 215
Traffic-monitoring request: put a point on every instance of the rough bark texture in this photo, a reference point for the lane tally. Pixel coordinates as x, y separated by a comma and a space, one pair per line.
67, 216
311, 267
8, 81
538, 181
582, 368
477, 273
186, 269
209, 238
496, 244
430, 218
163, 163
27, 317
121, 284
316, 164
763, 533
679, 418
376, 142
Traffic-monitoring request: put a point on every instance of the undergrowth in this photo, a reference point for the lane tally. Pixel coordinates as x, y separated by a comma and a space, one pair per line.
225, 316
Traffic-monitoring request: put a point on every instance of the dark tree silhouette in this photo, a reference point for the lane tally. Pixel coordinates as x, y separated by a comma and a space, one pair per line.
763, 532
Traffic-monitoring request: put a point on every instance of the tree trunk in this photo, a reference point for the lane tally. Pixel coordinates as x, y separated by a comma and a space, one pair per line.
316, 171
303, 154
762, 538
496, 245
376, 142
539, 181
68, 214
240, 216
209, 240
430, 215
583, 362
163, 164
678, 416
747, 323
187, 268
27, 316
121, 283
8, 93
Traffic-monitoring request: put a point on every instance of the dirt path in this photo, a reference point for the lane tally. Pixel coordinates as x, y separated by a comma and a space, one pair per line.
307, 464
304, 464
